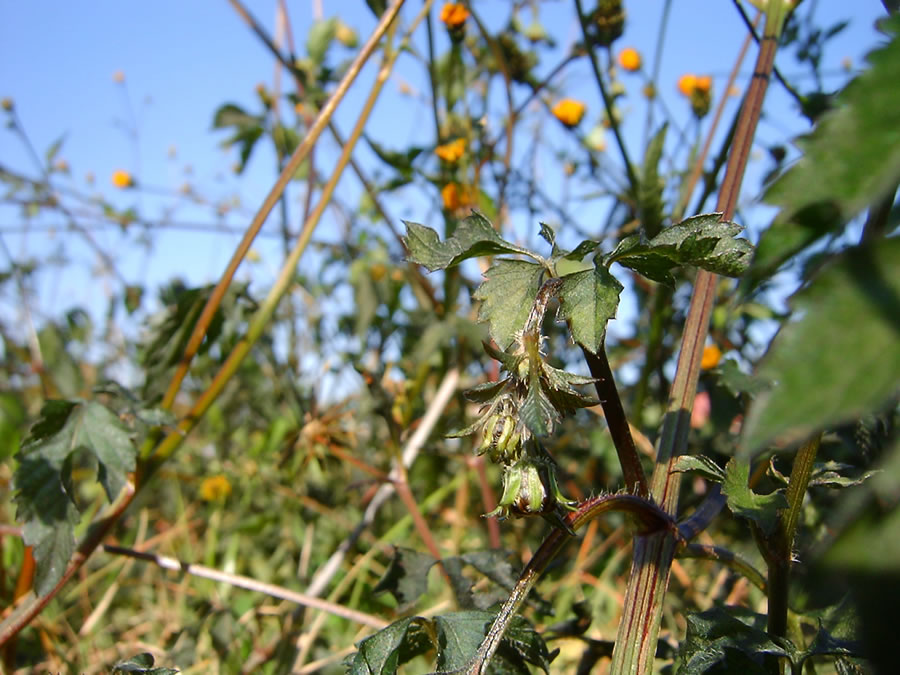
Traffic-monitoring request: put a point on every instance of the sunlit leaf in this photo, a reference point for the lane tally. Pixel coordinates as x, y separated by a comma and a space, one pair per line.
507, 296
744, 502
474, 236
587, 301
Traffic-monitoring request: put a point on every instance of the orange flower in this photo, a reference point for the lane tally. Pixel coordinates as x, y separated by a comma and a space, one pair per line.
630, 59
711, 356
215, 488
569, 111
454, 14
703, 84
455, 196
687, 83
452, 151
118, 77
122, 179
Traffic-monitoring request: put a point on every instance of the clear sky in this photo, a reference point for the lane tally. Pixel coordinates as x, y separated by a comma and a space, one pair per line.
182, 60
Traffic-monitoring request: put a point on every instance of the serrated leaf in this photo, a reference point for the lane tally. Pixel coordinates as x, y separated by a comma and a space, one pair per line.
407, 576
461, 633
841, 359
507, 296
761, 509
43, 479
143, 665
587, 301
702, 241
726, 640
850, 161
650, 189
484, 392
699, 464
321, 35
383, 652
537, 411
474, 236
560, 389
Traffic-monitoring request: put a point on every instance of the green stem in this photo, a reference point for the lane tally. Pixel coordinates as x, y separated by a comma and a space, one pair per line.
779, 554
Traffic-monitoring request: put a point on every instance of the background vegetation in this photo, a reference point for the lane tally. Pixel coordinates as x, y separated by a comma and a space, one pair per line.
247, 477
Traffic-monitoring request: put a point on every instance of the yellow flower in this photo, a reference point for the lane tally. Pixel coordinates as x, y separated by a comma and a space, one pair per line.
711, 356
122, 179
118, 77
452, 151
630, 59
456, 196
61, 165
7, 103
569, 111
703, 84
454, 14
687, 83
215, 488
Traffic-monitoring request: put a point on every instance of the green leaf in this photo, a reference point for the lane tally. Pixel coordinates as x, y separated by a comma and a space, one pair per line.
726, 640
232, 115
587, 301
700, 464
851, 160
736, 381
53, 150
12, 418
547, 234
321, 35
650, 189
407, 576
402, 161
484, 392
383, 652
45, 503
142, 664
461, 633
701, 241
841, 358
474, 236
507, 296
537, 411
761, 509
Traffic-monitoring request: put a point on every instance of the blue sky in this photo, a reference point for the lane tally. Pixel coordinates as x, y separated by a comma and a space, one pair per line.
181, 60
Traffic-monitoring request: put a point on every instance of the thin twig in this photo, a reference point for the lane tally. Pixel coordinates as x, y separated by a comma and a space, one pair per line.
249, 584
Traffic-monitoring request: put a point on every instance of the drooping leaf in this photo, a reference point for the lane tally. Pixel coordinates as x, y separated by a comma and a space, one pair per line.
744, 502
700, 464
850, 160
726, 640
484, 392
474, 236
45, 503
547, 234
383, 652
841, 358
702, 241
650, 189
143, 665
407, 576
587, 301
507, 296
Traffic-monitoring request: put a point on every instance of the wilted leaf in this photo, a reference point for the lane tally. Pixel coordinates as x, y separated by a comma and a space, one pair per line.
587, 301
474, 236
701, 241
761, 509
841, 358
507, 296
